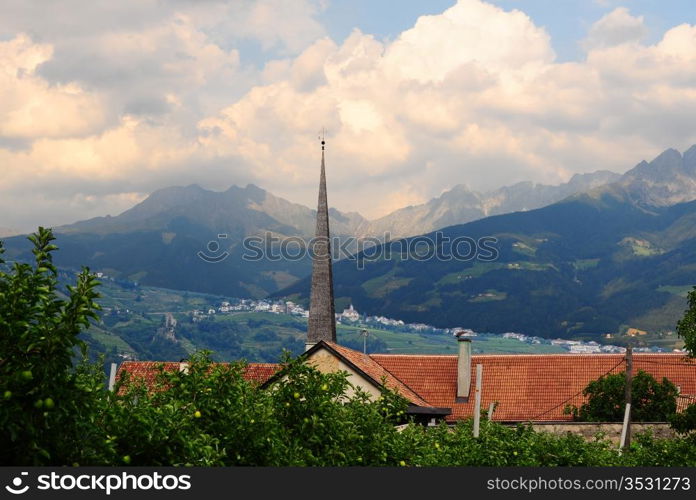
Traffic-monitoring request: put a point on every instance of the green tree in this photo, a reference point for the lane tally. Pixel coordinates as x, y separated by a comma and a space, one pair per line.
652, 401
49, 408
208, 414
685, 421
686, 327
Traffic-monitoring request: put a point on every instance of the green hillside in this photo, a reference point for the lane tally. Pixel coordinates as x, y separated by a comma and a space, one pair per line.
594, 263
133, 320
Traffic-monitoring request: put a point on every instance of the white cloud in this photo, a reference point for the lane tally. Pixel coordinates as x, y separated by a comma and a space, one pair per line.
476, 94
470, 32
292, 26
30, 107
473, 95
616, 28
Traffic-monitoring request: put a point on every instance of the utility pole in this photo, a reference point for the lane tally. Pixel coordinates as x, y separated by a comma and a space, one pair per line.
364, 334
629, 383
477, 400
112, 376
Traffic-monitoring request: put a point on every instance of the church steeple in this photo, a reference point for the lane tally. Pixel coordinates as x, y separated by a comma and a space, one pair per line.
322, 317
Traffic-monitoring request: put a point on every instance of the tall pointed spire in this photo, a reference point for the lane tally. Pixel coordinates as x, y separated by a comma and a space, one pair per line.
322, 317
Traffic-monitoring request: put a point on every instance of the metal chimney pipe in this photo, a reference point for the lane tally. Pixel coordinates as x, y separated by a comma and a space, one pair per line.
463, 366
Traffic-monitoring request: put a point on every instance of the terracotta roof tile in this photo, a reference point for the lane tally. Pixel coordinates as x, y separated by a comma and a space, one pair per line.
526, 387
260, 372
147, 370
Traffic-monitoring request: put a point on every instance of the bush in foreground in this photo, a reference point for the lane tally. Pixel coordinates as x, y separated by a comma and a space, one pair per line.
210, 415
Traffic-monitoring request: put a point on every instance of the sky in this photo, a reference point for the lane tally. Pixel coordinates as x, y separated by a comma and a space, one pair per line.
103, 102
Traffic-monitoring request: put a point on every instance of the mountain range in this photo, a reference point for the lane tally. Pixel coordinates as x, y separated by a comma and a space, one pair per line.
159, 241
251, 210
622, 254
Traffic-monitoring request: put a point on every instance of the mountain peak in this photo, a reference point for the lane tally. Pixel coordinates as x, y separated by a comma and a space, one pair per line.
253, 188
668, 179
668, 158
660, 168
690, 159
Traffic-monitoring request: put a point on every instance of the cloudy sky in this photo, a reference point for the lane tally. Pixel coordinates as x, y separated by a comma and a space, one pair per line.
102, 101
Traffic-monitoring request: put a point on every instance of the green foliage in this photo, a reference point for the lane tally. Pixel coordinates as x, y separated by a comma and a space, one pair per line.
686, 327
685, 421
651, 452
210, 415
47, 406
502, 446
651, 401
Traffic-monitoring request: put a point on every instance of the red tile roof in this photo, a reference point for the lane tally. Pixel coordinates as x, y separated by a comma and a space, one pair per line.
147, 370
526, 387
260, 372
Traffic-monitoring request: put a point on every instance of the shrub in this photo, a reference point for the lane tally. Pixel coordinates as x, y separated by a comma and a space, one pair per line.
652, 401
685, 421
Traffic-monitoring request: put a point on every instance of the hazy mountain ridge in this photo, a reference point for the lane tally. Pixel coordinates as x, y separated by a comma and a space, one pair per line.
161, 240
237, 211
667, 180
460, 205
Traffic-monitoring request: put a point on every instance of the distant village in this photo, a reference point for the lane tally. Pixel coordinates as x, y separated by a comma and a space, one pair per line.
352, 317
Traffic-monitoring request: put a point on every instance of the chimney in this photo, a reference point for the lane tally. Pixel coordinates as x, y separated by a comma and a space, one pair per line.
463, 366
